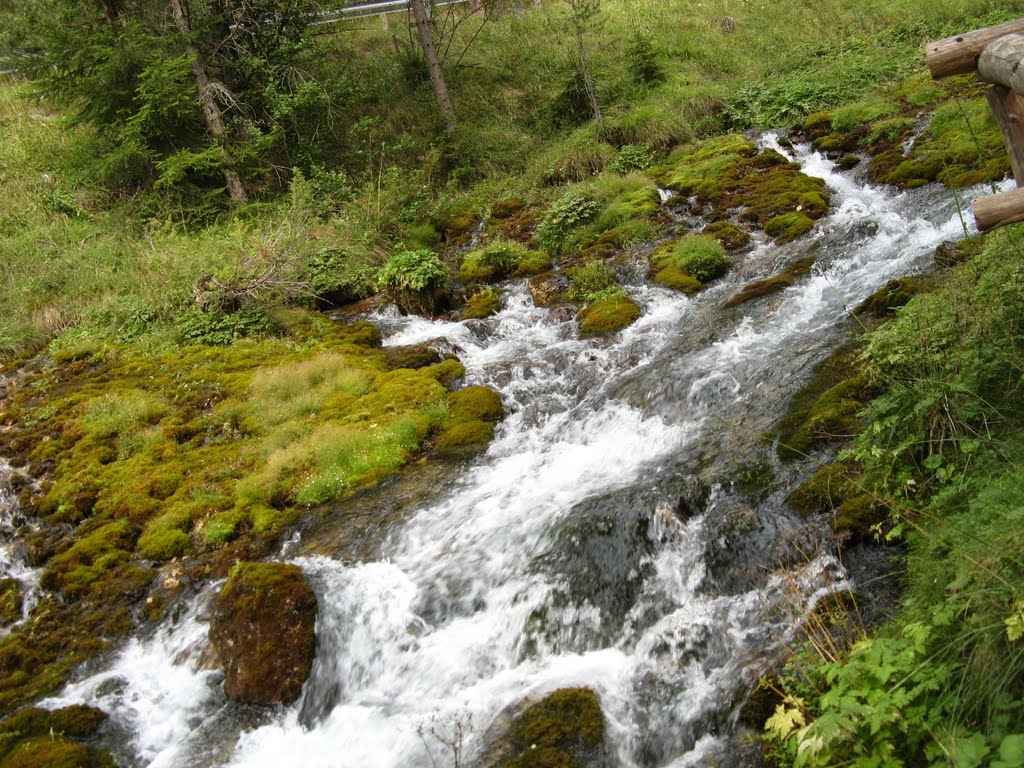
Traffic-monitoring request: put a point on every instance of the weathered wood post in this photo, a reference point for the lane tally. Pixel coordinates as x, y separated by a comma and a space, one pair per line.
997, 55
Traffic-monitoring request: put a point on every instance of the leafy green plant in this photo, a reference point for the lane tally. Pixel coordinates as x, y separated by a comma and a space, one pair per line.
413, 271
565, 215
631, 159
591, 279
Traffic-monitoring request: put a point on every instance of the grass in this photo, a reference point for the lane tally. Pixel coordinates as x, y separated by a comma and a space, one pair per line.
940, 455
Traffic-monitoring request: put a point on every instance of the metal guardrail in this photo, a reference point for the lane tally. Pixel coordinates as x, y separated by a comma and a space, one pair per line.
372, 9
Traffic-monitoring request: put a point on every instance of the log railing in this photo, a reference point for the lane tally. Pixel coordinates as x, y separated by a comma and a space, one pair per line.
996, 54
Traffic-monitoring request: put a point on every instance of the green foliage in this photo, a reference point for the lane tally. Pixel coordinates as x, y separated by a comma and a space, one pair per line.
413, 271
590, 279
701, 257
644, 66
563, 217
197, 326
631, 159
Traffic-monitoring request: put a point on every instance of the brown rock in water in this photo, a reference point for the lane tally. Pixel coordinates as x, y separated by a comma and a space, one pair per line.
263, 630
549, 288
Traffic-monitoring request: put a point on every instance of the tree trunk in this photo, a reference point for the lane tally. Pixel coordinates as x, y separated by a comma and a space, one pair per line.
588, 78
477, 6
211, 110
433, 65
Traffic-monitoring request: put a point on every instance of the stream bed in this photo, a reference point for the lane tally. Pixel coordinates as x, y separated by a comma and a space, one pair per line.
601, 541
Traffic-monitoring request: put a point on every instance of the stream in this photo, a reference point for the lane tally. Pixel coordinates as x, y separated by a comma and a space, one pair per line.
601, 541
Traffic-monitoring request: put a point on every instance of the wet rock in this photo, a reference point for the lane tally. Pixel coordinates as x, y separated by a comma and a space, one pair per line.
263, 629
565, 728
549, 288
413, 356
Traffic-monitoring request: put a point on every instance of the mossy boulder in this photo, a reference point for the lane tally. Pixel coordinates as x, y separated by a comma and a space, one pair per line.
565, 729
476, 402
858, 516
482, 304
549, 288
673, 277
729, 235
757, 289
263, 630
414, 356
506, 209
162, 545
827, 408
608, 312
826, 490
39, 738
787, 227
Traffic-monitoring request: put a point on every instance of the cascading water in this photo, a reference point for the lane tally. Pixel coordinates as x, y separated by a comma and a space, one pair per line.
599, 542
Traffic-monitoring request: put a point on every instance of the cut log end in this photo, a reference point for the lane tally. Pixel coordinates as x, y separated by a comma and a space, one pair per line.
998, 210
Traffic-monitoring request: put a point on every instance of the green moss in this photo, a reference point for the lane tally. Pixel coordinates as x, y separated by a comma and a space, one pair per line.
466, 433
447, 372
47, 752
858, 515
846, 162
728, 234
757, 289
493, 262
163, 545
10, 600
532, 263
414, 356
788, 227
824, 491
482, 304
457, 220
826, 408
90, 559
673, 277
477, 402
506, 209
569, 719
894, 294
701, 257
607, 313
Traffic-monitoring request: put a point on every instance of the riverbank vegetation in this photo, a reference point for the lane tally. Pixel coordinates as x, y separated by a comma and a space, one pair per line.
173, 387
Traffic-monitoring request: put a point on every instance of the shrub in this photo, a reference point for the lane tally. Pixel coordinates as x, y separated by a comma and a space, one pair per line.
590, 279
564, 216
412, 272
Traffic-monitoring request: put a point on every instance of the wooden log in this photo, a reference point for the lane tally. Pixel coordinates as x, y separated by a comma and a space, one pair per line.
994, 211
1000, 63
1008, 110
958, 55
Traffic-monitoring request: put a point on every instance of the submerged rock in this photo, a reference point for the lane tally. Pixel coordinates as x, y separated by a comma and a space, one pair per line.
263, 629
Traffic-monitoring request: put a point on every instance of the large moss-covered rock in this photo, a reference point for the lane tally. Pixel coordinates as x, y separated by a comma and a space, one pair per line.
39, 738
565, 729
263, 629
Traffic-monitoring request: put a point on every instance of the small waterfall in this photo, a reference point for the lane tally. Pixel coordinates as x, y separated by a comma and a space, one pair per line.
598, 542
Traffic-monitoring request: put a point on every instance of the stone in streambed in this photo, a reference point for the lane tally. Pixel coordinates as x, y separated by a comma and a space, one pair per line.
263, 630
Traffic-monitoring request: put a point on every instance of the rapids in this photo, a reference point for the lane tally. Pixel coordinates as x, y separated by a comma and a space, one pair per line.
601, 541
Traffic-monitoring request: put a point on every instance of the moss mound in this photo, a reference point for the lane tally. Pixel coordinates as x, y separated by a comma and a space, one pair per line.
39, 738
610, 311
787, 227
263, 629
481, 305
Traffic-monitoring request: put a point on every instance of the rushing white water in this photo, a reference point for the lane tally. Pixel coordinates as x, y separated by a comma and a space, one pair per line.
12, 564
559, 559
